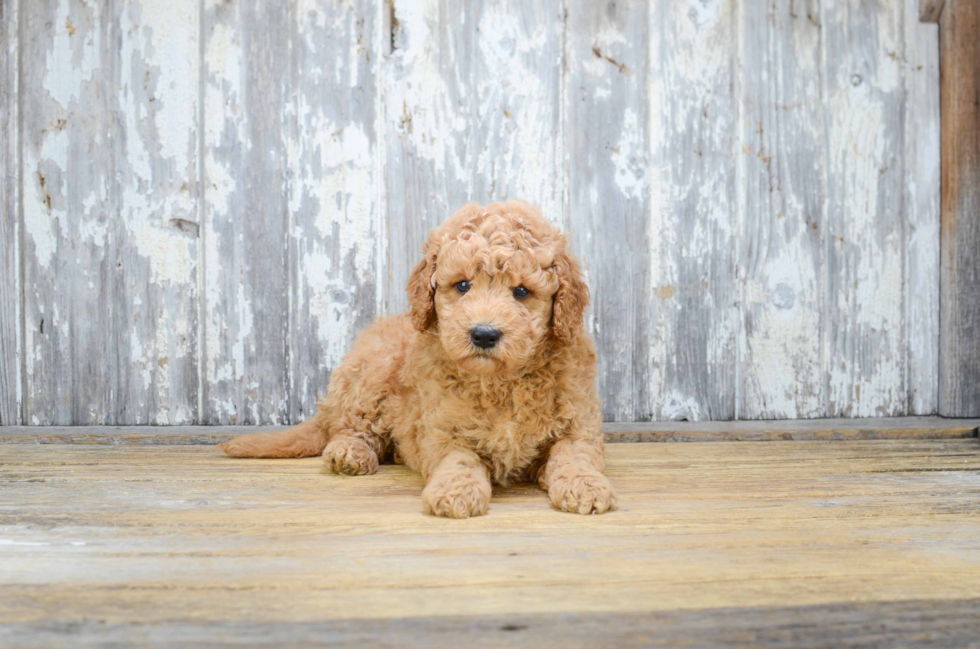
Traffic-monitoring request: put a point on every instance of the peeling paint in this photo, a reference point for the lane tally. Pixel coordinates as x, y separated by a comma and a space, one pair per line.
754, 195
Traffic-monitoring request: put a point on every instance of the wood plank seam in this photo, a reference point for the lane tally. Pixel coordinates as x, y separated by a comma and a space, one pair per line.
908, 428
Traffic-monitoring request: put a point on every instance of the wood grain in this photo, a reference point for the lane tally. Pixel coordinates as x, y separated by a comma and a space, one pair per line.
246, 304
692, 110
336, 244
943, 624
959, 338
153, 227
142, 539
930, 10
753, 188
67, 200
109, 169
606, 133
656, 431
922, 182
11, 287
864, 327
780, 256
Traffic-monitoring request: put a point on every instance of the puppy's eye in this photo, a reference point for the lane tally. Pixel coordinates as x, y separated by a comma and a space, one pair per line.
463, 286
521, 293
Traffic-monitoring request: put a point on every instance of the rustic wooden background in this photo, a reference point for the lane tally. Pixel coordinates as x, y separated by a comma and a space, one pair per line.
205, 200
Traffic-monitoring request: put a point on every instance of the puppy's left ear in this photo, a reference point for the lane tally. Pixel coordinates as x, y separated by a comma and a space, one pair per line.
568, 312
421, 289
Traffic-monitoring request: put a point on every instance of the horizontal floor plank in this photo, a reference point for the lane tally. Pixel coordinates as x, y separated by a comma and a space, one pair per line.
658, 431
939, 624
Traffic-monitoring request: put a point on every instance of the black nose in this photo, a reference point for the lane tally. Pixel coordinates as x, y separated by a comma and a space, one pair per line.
484, 337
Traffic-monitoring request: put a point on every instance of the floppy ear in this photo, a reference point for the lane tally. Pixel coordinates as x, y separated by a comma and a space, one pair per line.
421, 289
568, 312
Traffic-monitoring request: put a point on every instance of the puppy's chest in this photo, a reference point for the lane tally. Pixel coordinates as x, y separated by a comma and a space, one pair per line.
511, 439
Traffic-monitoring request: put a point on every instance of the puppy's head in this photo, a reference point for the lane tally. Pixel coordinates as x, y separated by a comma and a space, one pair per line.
495, 283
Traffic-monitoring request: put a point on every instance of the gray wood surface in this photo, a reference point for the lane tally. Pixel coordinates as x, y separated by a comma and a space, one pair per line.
245, 306
693, 112
615, 432
864, 327
11, 288
606, 134
922, 173
781, 261
336, 230
109, 166
959, 336
942, 624
232, 190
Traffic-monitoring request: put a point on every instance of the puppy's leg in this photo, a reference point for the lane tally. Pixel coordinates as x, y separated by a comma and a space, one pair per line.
458, 487
356, 448
574, 480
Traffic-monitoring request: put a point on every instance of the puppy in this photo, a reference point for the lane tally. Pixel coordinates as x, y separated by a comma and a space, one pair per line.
489, 378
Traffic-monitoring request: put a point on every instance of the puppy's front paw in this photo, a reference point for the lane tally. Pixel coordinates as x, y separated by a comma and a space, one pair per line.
457, 494
350, 455
585, 492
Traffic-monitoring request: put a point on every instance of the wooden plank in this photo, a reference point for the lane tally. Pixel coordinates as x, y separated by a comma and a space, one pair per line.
336, 243
783, 148
864, 232
153, 229
942, 624
472, 96
797, 429
959, 351
921, 195
11, 287
662, 431
691, 113
930, 10
606, 133
186, 536
245, 297
68, 200
110, 160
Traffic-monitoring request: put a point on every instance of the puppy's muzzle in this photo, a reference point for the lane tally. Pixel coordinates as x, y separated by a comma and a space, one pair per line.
485, 337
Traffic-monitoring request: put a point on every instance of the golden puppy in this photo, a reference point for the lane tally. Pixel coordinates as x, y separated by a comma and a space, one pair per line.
490, 376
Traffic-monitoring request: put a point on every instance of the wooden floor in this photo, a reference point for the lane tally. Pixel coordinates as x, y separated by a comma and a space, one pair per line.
788, 544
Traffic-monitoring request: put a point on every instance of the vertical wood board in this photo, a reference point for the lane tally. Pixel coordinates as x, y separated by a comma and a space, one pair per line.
782, 199
109, 169
959, 360
922, 192
245, 301
153, 229
692, 108
336, 236
608, 166
11, 287
864, 231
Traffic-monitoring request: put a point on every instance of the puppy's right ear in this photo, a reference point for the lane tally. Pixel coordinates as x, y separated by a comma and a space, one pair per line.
421, 289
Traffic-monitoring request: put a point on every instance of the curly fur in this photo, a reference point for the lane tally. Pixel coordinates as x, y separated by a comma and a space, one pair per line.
415, 388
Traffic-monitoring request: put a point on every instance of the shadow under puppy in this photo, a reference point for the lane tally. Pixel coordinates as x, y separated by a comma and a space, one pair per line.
490, 376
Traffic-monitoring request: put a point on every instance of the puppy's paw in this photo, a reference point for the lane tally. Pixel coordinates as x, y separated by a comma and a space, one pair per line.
351, 456
457, 494
586, 492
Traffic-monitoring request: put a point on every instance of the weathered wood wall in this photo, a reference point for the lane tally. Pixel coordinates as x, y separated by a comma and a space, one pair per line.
204, 201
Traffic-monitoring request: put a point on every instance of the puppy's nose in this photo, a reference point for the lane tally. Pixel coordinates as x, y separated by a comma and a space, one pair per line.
484, 337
